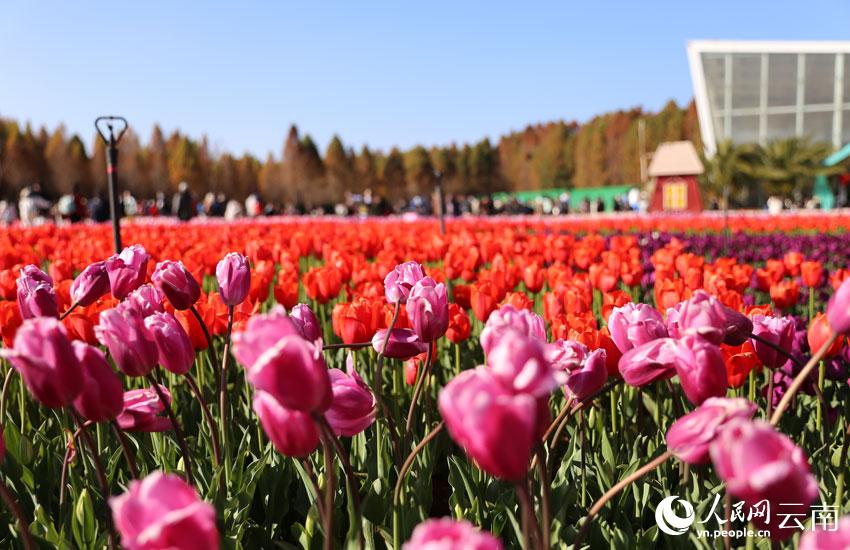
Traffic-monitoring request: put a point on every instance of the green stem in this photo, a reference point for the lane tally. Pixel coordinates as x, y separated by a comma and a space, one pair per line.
402, 473
15, 509
222, 396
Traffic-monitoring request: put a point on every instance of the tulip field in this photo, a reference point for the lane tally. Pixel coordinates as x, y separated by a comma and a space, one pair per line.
516, 382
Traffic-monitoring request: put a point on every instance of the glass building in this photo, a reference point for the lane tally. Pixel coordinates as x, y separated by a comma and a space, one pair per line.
759, 91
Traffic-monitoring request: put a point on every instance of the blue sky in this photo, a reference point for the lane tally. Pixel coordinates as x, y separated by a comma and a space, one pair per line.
377, 73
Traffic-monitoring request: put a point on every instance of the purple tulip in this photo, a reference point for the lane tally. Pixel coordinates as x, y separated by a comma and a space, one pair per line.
36, 296
779, 331
43, 356
450, 534
146, 299
293, 433
353, 406
586, 372
305, 321
690, 437
102, 396
402, 344
233, 275
654, 360
174, 281
122, 330
127, 270
175, 351
508, 317
521, 365
399, 282
428, 309
90, 285
634, 324
141, 412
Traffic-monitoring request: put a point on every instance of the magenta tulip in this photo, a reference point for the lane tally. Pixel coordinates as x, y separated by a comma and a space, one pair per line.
495, 427
700, 315
293, 433
758, 463
163, 511
828, 539
450, 534
508, 317
428, 309
43, 356
279, 361
690, 437
175, 282
701, 368
90, 285
634, 324
142, 409
233, 275
402, 344
147, 299
399, 282
122, 330
648, 362
838, 309
586, 372
779, 331
127, 270
175, 351
305, 321
36, 296
521, 365
102, 396
353, 407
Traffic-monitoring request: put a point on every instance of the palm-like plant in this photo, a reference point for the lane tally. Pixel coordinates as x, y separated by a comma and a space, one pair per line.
730, 173
788, 166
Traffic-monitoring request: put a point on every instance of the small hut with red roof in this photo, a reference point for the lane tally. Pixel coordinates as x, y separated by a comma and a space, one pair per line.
674, 170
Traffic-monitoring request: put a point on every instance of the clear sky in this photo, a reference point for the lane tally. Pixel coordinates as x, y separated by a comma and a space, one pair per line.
376, 72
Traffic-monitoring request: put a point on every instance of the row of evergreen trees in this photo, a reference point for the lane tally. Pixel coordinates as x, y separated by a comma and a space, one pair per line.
602, 151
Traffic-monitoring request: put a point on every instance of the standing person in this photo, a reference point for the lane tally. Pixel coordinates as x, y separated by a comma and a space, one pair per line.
182, 206
31, 203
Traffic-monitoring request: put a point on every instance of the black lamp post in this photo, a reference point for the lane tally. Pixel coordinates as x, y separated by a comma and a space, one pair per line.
107, 124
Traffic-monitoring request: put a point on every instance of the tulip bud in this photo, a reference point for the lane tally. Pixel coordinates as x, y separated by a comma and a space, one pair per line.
102, 396
701, 369
818, 334
510, 318
163, 511
147, 299
36, 296
90, 285
428, 309
521, 365
779, 331
702, 315
175, 351
399, 282
648, 362
459, 326
634, 324
141, 411
306, 323
402, 344
690, 436
233, 275
450, 534
838, 310
586, 370
293, 433
353, 407
127, 270
122, 330
176, 283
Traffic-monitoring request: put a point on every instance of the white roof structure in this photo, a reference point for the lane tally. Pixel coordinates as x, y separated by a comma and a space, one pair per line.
675, 158
757, 91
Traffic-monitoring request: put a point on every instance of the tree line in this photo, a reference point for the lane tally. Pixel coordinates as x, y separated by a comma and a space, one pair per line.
602, 151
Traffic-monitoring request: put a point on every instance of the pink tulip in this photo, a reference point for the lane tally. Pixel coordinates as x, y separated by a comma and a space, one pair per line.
293, 433
175, 282
122, 330
779, 331
690, 436
450, 534
399, 282
279, 361
233, 275
175, 351
43, 356
141, 411
701, 369
127, 270
90, 285
102, 396
508, 317
838, 310
648, 362
758, 463
827, 539
353, 406
586, 372
428, 309
305, 321
495, 427
700, 315
402, 344
163, 511
147, 299
521, 365
634, 324
36, 296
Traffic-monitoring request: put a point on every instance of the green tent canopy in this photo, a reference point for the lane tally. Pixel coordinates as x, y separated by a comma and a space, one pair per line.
606, 194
